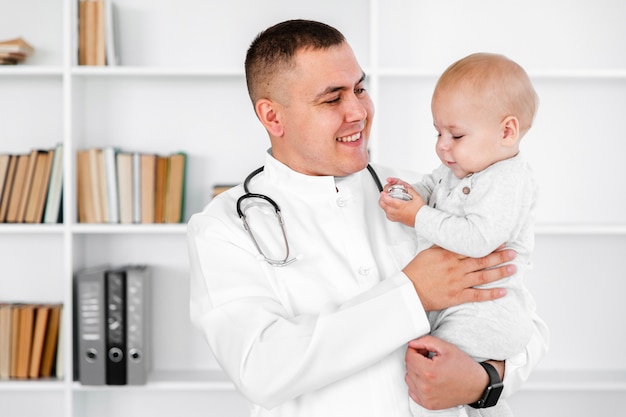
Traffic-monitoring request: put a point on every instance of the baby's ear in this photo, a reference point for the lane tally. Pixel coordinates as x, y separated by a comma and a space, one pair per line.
510, 131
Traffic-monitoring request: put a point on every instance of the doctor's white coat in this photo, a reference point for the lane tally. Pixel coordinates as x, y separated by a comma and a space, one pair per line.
325, 335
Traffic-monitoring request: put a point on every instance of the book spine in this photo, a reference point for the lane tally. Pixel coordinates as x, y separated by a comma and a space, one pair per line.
111, 184
136, 187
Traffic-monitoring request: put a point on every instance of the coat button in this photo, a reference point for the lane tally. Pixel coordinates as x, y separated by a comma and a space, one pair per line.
466, 190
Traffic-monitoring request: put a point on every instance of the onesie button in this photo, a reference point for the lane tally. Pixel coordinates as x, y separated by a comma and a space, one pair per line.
341, 202
466, 190
364, 270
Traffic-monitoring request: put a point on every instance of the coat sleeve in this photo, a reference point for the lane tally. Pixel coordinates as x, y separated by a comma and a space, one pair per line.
270, 354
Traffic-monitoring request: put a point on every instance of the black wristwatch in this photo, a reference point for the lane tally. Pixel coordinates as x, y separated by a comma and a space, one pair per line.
494, 389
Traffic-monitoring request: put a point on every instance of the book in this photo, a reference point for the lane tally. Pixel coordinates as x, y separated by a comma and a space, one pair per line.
138, 323
39, 188
92, 184
116, 353
162, 163
112, 197
175, 188
51, 341
5, 159
25, 338
100, 36
18, 188
8, 186
125, 186
5, 340
82, 32
148, 176
14, 51
28, 182
16, 45
99, 182
90, 315
91, 31
57, 366
39, 336
85, 203
136, 187
53, 211
15, 338
220, 188
111, 35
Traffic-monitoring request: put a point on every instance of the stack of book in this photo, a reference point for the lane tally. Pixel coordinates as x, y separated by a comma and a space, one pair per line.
14, 51
29, 341
111, 335
31, 185
96, 33
130, 187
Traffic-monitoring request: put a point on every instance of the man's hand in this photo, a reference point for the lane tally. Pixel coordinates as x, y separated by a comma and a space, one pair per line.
443, 279
445, 379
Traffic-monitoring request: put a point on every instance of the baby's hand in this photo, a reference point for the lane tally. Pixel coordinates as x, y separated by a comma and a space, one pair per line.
400, 210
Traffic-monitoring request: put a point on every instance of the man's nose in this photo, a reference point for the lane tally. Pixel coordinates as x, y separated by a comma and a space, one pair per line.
355, 109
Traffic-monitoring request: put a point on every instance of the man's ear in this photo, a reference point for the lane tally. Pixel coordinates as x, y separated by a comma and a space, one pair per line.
266, 111
510, 131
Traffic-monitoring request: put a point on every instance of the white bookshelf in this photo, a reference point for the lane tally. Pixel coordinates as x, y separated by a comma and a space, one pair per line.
181, 87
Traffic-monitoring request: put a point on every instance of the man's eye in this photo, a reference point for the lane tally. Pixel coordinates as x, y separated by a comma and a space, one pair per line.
332, 101
359, 91
457, 137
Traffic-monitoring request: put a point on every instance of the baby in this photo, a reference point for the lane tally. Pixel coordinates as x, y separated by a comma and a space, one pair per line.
482, 195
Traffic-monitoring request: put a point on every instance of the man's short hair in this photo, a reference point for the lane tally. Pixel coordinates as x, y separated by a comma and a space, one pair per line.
273, 50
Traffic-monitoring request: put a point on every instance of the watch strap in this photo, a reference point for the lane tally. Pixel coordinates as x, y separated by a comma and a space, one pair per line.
490, 396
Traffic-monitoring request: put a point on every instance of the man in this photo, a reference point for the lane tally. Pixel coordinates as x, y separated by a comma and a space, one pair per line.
311, 315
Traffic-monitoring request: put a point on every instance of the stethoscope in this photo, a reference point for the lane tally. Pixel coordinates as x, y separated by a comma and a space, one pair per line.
285, 261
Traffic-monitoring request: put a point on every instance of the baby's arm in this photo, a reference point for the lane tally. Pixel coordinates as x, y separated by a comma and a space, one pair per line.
492, 210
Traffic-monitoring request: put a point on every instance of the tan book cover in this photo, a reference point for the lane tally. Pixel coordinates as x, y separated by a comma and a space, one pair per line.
100, 52
162, 163
86, 210
15, 338
175, 188
25, 339
51, 340
94, 190
39, 336
5, 340
7, 185
28, 183
101, 186
16, 45
18, 188
82, 32
4, 168
148, 189
39, 187
91, 22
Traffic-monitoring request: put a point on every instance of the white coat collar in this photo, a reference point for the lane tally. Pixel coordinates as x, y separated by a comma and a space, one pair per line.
280, 175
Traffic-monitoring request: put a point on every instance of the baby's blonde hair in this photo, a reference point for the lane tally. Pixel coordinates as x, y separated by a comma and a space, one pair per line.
503, 83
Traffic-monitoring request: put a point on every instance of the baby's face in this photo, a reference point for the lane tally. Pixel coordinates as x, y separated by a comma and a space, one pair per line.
469, 132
